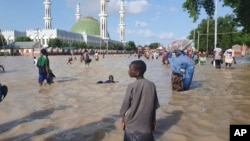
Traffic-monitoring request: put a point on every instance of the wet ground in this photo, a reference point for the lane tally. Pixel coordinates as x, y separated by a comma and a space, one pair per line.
76, 108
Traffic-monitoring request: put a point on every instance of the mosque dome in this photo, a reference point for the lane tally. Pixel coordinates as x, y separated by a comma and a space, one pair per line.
87, 25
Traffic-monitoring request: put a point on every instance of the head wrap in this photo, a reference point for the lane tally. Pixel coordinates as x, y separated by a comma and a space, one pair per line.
179, 45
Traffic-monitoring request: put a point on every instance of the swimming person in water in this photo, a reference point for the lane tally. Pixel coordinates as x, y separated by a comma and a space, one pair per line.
3, 91
110, 80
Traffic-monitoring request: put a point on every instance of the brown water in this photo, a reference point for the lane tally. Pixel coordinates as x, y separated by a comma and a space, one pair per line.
75, 108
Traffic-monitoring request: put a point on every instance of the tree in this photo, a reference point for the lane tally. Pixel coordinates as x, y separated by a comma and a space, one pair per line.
227, 33
75, 44
23, 39
2, 40
240, 9
130, 46
153, 45
115, 47
65, 44
242, 39
82, 45
55, 43
193, 7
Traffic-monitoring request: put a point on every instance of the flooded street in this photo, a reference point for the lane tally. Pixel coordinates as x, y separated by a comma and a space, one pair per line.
76, 108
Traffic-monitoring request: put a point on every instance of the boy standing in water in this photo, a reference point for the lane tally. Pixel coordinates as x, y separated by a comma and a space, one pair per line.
139, 105
43, 68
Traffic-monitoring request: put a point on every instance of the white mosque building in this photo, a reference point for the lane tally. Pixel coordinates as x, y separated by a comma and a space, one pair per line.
86, 29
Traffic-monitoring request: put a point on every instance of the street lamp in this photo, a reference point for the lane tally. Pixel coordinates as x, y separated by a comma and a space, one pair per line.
37, 32
100, 43
138, 24
207, 36
215, 26
198, 46
107, 44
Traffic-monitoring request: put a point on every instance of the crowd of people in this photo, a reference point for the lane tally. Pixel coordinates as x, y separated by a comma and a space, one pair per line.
228, 57
140, 103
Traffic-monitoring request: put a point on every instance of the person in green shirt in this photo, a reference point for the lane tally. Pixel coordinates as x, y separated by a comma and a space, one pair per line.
43, 68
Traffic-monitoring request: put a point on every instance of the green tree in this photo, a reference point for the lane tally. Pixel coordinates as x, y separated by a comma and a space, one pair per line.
23, 39
130, 46
153, 45
193, 7
2, 40
75, 44
116, 47
240, 9
227, 33
55, 43
82, 45
65, 44
112, 47
90, 47
242, 39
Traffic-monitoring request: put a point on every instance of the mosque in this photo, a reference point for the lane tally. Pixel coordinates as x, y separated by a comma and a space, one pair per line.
86, 29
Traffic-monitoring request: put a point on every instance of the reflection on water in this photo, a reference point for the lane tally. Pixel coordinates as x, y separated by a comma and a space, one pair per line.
76, 108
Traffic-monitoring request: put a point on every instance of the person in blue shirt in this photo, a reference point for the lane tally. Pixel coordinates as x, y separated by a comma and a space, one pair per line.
182, 70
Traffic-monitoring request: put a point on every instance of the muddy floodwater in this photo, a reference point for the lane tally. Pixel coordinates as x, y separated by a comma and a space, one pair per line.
75, 108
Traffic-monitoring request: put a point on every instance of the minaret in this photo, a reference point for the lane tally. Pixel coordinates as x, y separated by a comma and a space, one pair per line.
47, 18
78, 12
122, 23
103, 20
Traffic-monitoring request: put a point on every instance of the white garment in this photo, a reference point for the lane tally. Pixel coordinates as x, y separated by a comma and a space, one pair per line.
96, 56
217, 53
229, 54
155, 55
34, 61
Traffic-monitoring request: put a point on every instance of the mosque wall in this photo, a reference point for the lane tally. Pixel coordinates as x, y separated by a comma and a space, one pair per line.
11, 35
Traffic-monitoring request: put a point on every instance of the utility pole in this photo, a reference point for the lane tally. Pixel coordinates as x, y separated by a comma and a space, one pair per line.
37, 32
138, 34
194, 36
207, 36
138, 38
198, 46
215, 26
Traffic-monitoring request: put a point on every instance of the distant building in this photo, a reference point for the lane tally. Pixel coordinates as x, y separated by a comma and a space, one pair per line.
21, 48
87, 29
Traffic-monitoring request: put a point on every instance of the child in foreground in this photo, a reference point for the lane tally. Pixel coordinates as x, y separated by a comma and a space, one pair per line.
139, 105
